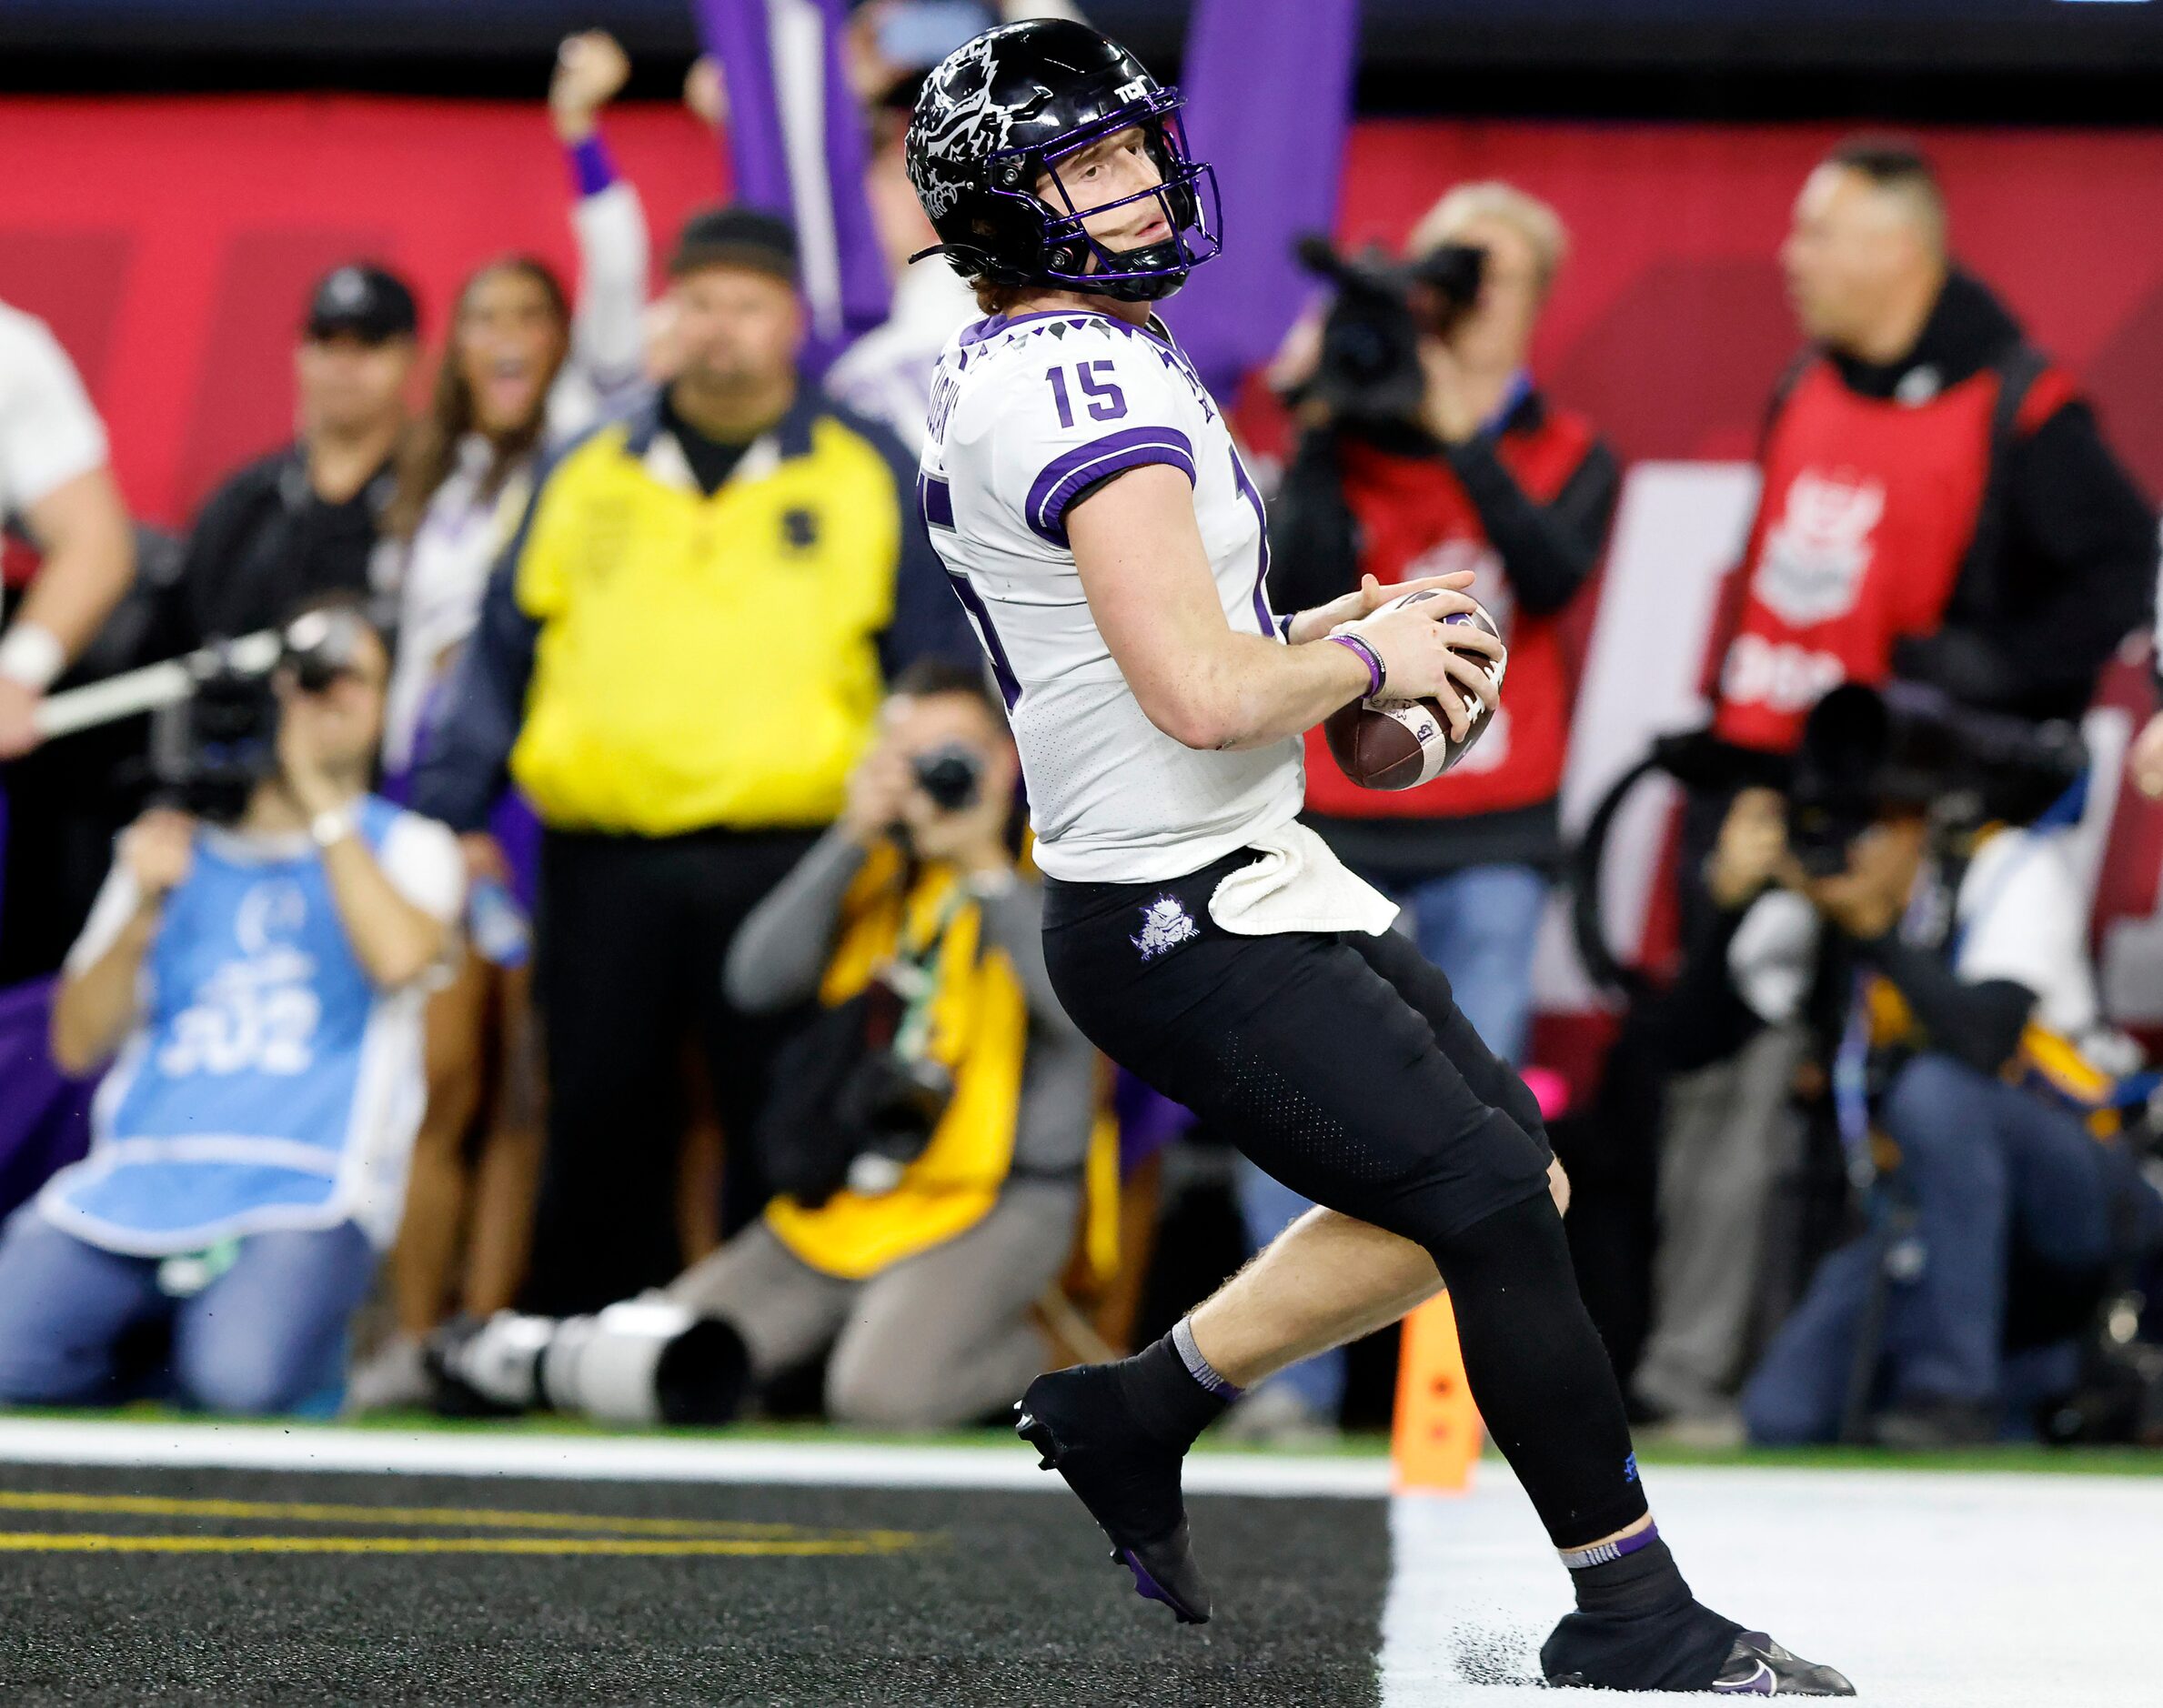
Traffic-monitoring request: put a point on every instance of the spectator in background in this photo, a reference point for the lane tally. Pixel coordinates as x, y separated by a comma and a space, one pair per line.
887, 373
934, 1123
261, 988
1491, 477
309, 519
1938, 506
680, 659
55, 486
520, 369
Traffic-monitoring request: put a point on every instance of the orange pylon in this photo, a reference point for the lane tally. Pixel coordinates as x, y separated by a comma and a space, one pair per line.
1438, 1430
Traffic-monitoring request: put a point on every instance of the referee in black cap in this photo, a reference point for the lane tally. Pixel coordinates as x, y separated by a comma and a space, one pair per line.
307, 518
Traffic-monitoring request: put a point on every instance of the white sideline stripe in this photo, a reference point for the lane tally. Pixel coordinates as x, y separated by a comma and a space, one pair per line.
627, 1458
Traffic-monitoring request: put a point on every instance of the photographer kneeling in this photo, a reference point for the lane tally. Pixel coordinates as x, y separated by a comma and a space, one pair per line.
928, 1130
259, 978
1971, 1072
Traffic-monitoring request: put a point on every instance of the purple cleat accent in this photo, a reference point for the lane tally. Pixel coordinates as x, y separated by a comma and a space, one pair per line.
1130, 1487
1145, 1586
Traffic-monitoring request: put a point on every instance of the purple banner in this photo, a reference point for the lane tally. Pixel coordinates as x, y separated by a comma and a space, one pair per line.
44, 1116
1268, 86
797, 147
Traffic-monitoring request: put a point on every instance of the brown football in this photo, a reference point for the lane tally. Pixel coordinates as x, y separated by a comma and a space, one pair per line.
1402, 743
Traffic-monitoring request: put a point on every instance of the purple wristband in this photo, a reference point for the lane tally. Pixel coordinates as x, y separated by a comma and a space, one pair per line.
1376, 677
592, 169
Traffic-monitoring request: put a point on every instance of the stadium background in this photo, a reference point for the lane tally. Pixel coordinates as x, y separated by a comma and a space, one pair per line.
178, 174
166, 240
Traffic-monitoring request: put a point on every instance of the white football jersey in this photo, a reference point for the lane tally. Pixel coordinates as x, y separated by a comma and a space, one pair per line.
1028, 415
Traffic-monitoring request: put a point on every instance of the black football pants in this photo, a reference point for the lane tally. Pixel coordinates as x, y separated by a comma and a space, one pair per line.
1339, 1064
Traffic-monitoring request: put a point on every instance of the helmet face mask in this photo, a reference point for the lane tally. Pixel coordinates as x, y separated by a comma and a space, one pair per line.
995, 120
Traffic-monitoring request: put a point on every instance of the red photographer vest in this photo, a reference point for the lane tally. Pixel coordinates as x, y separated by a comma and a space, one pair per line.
1416, 519
1869, 510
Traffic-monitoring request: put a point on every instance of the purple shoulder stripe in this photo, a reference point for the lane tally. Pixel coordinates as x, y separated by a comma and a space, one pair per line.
1072, 473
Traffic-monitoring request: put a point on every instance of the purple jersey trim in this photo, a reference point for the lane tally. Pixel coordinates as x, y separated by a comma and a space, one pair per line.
1247, 491
935, 500
992, 325
1009, 685
1072, 473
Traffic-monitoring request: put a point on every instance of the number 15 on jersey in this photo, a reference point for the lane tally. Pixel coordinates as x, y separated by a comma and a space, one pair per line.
1099, 391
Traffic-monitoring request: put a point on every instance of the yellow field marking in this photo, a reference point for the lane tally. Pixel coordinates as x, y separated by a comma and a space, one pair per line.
91, 1541
450, 1517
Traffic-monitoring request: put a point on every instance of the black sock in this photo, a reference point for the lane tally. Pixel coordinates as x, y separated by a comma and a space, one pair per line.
1641, 1582
1638, 1627
1166, 1397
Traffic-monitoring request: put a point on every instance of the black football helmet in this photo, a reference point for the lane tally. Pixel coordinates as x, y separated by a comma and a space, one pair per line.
1000, 113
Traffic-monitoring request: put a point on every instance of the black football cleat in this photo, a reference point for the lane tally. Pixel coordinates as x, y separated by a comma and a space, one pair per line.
1079, 1423
1757, 1666
1616, 1655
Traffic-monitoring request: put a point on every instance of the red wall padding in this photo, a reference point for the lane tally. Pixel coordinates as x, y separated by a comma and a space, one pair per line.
170, 243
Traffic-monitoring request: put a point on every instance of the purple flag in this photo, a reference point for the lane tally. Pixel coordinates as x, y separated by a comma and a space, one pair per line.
1268, 87
44, 1116
797, 145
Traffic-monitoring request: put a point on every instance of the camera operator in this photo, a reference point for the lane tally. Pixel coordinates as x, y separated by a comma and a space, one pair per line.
1942, 959
1426, 447
1473, 468
258, 984
928, 1130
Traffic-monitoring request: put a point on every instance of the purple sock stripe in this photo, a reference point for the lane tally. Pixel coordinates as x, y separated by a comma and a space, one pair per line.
1600, 1554
1199, 1367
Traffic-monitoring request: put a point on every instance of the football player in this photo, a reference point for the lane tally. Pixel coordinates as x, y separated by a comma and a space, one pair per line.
1100, 528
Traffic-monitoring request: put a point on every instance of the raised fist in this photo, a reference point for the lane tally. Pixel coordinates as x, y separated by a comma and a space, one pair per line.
591, 67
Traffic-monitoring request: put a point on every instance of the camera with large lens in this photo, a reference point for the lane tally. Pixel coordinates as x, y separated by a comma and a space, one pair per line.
223, 742
1368, 372
1867, 752
892, 1104
951, 775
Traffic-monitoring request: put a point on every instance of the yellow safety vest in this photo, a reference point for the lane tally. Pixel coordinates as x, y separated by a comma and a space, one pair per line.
705, 660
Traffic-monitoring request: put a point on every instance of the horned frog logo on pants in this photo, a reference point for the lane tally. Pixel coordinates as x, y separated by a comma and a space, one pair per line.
1165, 924
1817, 553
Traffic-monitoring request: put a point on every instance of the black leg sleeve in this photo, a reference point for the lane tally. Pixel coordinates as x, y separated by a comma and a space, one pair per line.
1545, 1387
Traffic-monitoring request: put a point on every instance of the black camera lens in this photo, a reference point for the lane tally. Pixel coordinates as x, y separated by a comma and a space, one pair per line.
949, 775
321, 647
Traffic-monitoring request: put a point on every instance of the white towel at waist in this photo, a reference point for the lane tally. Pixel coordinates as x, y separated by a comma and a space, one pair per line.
1298, 884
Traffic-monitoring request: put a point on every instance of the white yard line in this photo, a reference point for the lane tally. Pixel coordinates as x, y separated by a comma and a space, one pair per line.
1931, 1590
635, 1458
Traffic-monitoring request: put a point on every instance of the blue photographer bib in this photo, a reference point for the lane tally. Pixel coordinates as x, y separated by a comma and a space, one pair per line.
270, 1084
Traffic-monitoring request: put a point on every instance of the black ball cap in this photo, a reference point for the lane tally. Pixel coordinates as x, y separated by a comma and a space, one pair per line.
360, 300
736, 236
